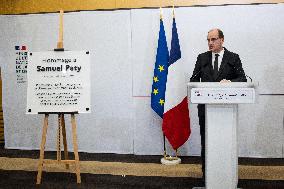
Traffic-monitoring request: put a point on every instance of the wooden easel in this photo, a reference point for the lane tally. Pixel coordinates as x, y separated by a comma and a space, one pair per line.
61, 130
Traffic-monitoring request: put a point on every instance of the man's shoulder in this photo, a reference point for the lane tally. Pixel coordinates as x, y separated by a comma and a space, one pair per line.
230, 52
205, 54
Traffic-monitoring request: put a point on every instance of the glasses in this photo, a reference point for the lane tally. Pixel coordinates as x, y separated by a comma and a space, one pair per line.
213, 39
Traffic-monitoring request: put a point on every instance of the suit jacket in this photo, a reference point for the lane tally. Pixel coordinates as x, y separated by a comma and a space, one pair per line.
230, 68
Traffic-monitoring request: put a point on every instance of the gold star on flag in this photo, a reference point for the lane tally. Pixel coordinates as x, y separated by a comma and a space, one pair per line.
162, 102
155, 79
161, 68
156, 91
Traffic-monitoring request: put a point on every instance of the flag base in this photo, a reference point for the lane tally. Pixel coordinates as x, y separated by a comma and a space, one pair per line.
170, 160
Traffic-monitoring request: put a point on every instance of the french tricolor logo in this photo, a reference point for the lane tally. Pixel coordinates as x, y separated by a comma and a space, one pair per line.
21, 48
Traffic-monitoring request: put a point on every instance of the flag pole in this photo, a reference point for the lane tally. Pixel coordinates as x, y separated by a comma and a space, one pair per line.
165, 150
164, 137
173, 11
176, 150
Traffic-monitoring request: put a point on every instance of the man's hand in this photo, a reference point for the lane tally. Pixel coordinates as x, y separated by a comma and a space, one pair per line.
225, 81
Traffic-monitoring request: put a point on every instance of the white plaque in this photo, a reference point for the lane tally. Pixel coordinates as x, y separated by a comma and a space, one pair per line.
58, 81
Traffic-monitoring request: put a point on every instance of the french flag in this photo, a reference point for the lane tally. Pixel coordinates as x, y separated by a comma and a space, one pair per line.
176, 121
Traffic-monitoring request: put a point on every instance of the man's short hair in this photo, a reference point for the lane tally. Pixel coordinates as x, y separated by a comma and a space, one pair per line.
220, 33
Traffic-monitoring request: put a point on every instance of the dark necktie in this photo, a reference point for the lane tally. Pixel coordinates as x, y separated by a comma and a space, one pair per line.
216, 66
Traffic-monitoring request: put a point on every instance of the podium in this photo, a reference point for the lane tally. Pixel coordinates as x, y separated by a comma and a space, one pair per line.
221, 120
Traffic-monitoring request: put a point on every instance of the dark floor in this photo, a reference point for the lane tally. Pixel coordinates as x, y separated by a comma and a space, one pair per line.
26, 180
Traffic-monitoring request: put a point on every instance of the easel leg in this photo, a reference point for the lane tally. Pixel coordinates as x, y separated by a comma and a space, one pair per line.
59, 138
64, 139
74, 133
42, 147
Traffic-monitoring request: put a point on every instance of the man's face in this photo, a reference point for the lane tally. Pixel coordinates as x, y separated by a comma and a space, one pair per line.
215, 43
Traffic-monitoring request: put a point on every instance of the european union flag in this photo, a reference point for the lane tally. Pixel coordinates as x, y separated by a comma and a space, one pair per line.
160, 73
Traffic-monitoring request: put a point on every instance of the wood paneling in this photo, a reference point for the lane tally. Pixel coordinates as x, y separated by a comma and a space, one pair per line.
40, 6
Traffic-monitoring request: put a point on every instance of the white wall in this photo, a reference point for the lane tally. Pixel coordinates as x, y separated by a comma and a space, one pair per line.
109, 128
123, 47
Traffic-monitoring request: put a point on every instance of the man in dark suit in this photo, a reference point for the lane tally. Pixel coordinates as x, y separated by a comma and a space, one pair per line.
216, 65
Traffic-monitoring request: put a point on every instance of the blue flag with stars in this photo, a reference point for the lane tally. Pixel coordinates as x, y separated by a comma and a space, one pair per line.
160, 73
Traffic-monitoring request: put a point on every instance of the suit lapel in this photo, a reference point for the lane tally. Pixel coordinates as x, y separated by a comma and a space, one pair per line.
209, 64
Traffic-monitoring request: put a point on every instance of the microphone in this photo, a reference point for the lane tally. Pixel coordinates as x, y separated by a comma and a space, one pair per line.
249, 78
238, 69
192, 77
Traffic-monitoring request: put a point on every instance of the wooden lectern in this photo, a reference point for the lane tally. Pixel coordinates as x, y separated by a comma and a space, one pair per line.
221, 113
